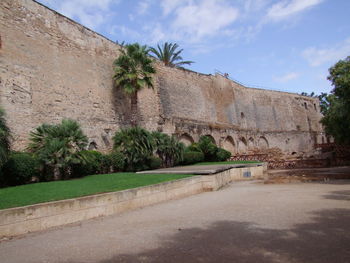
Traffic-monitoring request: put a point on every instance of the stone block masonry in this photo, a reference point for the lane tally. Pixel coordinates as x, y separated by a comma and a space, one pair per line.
53, 68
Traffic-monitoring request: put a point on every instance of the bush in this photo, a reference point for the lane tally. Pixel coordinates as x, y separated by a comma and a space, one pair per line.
154, 162
117, 160
136, 144
92, 165
168, 148
59, 147
21, 168
192, 157
4, 139
194, 147
222, 155
208, 148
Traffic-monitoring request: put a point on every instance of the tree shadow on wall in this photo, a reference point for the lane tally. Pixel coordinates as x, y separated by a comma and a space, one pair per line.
121, 106
325, 240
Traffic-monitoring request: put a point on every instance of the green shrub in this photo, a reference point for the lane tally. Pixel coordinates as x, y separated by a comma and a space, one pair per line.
136, 144
192, 157
21, 168
168, 148
59, 147
4, 139
208, 148
154, 162
222, 155
92, 165
194, 147
117, 161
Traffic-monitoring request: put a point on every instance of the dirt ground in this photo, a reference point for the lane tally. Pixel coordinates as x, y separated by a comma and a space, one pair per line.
244, 222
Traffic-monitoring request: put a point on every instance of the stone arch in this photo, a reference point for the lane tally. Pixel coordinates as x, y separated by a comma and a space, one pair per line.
323, 140
92, 146
211, 138
251, 143
263, 143
229, 144
242, 145
186, 139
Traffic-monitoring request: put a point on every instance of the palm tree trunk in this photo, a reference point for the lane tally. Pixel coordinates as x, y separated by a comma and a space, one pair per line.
133, 118
56, 173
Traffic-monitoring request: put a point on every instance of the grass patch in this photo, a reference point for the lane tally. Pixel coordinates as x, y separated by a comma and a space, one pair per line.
52, 191
227, 162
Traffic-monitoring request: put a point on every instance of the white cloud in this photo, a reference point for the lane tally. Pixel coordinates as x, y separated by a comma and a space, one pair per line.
90, 13
196, 20
287, 8
119, 31
169, 6
143, 7
286, 77
320, 56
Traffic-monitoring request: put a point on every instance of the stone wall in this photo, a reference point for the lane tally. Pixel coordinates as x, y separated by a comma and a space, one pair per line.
54, 68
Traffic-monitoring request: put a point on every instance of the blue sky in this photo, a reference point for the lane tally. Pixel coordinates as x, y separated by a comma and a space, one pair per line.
276, 44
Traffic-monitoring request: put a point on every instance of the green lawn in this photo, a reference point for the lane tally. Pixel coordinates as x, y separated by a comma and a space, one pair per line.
227, 162
93, 184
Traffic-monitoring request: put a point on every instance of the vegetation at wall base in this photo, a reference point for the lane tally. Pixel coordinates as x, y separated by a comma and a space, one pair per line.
59, 190
226, 162
4, 139
192, 157
204, 150
59, 146
21, 168
168, 149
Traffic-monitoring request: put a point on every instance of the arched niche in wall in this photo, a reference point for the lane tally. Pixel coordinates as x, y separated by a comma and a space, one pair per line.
251, 143
92, 146
229, 144
242, 145
186, 139
263, 143
211, 138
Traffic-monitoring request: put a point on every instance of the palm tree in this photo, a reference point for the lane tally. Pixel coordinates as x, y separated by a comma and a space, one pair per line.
169, 54
4, 139
136, 144
59, 146
168, 148
133, 71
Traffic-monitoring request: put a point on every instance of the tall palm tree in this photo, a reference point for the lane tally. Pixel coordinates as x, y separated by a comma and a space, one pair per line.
4, 138
169, 54
133, 71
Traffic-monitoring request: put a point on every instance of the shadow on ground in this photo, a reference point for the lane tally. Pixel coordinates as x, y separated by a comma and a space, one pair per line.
325, 240
338, 195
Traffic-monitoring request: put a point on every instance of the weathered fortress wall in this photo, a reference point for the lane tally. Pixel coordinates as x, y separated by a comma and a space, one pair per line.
54, 68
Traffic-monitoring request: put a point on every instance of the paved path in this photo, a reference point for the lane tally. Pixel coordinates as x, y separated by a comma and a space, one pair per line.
245, 222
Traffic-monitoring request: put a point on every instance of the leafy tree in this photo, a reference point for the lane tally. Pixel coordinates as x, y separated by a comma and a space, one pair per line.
59, 146
4, 139
325, 99
168, 148
169, 54
133, 71
337, 117
137, 146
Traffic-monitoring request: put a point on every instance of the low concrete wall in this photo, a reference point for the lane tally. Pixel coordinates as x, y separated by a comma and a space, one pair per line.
21, 220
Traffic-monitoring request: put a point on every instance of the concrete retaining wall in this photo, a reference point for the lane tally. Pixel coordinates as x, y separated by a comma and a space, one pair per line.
21, 220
